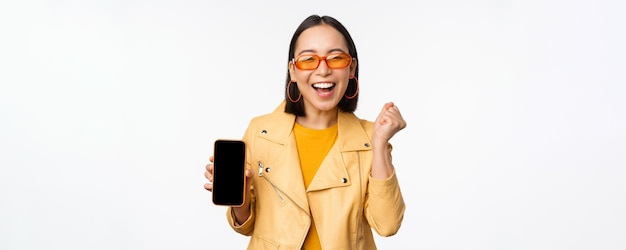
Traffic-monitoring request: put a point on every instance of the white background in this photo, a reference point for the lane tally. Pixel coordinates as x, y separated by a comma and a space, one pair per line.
515, 110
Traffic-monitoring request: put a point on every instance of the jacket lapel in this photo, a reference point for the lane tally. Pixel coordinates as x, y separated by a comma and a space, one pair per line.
350, 138
285, 172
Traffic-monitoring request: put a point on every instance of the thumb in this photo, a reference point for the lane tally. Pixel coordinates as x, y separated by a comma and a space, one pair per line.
249, 173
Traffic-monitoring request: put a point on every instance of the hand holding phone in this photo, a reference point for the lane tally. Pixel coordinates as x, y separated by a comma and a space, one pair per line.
229, 180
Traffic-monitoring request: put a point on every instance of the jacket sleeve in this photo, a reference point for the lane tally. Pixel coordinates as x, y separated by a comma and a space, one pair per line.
247, 227
384, 205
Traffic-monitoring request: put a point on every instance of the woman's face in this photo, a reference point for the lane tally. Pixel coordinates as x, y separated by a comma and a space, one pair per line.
322, 88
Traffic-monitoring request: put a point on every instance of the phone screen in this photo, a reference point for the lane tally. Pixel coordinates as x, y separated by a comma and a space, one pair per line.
229, 159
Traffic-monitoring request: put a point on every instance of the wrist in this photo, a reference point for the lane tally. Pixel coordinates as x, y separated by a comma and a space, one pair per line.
241, 214
379, 143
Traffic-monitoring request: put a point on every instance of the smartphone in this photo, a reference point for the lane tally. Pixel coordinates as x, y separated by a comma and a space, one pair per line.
229, 181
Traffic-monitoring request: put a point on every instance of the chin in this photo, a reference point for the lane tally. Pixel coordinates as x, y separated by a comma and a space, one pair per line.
327, 106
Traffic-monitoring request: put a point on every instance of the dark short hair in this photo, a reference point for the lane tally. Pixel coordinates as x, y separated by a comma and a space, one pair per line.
345, 105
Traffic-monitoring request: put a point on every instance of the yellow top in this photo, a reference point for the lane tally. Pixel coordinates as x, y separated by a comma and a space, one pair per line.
313, 145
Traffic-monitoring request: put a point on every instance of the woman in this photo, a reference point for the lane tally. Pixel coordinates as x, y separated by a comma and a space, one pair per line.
319, 177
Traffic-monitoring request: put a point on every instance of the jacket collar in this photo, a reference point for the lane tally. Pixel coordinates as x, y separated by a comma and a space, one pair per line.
281, 125
350, 134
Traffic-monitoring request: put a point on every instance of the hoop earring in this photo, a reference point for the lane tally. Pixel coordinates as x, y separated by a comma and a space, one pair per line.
289, 95
355, 92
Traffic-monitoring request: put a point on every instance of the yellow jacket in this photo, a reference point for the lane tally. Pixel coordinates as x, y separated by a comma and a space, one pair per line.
344, 199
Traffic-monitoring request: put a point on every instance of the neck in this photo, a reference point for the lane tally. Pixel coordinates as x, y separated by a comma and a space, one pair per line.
318, 120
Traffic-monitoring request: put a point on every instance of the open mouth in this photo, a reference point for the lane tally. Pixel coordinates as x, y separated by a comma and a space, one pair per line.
324, 87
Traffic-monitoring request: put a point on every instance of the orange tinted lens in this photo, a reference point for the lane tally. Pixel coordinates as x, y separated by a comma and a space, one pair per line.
307, 62
337, 61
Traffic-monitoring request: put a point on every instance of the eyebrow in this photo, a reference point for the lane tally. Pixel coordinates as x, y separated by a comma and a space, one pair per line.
313, 51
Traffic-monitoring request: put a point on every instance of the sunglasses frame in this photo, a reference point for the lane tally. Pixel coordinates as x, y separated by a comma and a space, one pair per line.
323, 58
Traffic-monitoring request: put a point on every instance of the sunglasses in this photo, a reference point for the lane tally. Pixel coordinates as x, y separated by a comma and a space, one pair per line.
333, 61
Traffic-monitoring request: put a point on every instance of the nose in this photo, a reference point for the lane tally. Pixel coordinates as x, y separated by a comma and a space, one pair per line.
323, 69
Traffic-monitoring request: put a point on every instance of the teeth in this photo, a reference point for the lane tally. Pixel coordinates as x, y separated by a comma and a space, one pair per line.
323, 85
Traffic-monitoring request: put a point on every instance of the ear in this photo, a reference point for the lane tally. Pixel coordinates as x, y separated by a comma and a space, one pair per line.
353, 67
292, 68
